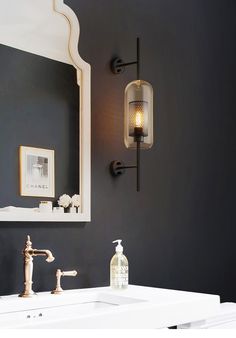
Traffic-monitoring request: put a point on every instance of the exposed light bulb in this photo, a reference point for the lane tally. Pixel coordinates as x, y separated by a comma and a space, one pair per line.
138, 119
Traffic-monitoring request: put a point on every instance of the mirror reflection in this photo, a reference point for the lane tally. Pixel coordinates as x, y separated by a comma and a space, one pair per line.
39, 102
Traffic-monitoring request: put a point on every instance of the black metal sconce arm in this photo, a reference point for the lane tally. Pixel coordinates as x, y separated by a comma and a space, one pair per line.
117, 168
118, 66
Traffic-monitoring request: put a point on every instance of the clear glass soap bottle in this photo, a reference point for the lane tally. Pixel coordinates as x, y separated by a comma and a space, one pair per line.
119, 268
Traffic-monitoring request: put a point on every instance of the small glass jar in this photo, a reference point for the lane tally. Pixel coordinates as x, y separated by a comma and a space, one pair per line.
58, 210
72, 210
45, 206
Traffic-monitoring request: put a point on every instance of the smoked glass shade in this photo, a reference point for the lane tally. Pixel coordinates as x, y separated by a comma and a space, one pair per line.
138, 112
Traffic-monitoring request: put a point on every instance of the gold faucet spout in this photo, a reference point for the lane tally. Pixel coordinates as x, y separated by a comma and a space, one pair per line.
47, 253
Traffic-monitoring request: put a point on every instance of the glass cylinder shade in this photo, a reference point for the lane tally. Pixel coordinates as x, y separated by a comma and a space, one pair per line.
138, 112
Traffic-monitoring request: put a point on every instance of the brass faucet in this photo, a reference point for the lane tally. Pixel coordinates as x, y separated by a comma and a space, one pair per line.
28, 253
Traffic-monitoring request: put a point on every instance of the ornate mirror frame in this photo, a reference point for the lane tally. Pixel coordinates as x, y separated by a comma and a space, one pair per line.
50, 28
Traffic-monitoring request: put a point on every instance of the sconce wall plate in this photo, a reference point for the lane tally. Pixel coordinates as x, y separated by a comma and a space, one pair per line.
117, 168
117, 66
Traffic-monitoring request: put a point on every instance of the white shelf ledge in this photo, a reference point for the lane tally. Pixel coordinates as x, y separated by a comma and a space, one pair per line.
42, 217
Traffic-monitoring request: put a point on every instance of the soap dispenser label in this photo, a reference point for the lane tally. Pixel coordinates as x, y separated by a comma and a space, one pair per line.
120, 276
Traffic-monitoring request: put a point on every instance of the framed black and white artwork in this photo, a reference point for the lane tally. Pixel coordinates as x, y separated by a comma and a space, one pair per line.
37, 177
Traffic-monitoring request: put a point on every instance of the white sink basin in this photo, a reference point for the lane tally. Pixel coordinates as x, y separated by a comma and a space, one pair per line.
136, 307
55, 311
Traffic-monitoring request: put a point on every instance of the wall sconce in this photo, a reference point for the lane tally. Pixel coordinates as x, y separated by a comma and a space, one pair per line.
138, 116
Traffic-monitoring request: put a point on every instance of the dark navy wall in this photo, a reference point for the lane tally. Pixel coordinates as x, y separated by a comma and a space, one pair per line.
179, 231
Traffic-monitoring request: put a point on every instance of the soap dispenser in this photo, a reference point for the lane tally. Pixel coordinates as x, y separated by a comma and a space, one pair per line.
119, 268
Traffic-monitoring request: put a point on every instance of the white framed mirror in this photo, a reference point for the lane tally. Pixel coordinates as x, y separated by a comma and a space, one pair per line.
50, 29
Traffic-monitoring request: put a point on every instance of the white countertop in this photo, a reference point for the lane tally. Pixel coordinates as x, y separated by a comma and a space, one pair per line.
138, 307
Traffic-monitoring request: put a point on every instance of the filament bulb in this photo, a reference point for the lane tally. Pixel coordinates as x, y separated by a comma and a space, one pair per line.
138, 119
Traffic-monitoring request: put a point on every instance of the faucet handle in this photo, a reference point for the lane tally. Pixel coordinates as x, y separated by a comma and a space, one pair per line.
58, 290
69, 273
